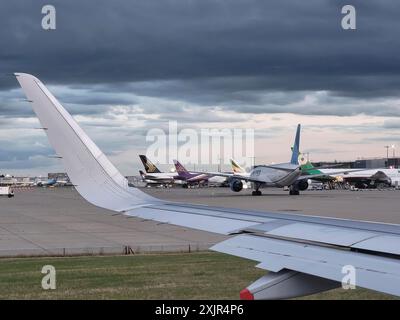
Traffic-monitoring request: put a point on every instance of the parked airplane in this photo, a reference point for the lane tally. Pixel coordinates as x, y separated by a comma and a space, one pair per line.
360, 178
238, 169
189, 178
277, 175
155, 182
196, 178
373, 178
304, 254
182, 176
154, 175
46, 183
63, 183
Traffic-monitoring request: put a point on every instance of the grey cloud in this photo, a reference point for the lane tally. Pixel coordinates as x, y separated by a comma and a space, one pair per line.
180, 60
321, 151
44, 163
22, 149
18, 155
392, 124
384, 139
251, 57
284, 45
347, 142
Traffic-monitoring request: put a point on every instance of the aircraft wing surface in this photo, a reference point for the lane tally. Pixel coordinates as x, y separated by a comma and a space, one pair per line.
331, 174
246, 178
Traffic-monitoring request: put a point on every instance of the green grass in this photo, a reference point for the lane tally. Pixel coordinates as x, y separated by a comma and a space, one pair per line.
204, 275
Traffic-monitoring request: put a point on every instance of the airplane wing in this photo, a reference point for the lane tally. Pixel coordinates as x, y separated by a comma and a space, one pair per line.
304, 254
211, 174
199, 177
331, 174
246, 178
378, 175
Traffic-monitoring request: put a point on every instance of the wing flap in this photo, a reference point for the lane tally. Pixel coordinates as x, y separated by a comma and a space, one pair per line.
382, 243
319, 233
190, 219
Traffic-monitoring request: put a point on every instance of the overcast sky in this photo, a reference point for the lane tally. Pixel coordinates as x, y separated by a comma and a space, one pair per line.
124, 67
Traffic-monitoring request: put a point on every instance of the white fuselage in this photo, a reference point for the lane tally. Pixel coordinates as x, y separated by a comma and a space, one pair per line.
161, 176
272, 177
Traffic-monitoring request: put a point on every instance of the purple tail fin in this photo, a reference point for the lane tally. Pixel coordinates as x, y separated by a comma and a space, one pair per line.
180, 169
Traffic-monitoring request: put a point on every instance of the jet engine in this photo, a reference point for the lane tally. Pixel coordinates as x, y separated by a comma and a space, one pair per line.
302, 184
286, 284
236, 185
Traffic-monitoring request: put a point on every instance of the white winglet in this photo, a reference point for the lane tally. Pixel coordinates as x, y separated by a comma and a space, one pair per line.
94, 176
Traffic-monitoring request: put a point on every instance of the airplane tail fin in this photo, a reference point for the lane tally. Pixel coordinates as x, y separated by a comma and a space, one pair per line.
180, 169
236, 168
149, 166
93, 175
296, 147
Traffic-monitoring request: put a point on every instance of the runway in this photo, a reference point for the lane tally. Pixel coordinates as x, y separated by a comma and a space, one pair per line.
57, 221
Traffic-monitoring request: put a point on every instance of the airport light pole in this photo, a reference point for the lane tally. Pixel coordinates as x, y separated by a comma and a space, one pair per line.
393, 149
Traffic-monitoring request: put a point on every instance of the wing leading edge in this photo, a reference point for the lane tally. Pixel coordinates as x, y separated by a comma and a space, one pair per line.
304, 254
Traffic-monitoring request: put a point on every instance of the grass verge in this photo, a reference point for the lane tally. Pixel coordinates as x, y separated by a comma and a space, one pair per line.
204, 275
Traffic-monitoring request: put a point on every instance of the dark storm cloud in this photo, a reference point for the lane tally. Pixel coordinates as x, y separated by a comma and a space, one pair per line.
268, 45
13, 104
128, 66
